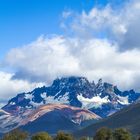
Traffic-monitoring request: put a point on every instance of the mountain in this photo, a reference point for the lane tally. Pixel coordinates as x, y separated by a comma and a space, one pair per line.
3, 113
126, 118
50, 118
102, 98
53, 118
7, 121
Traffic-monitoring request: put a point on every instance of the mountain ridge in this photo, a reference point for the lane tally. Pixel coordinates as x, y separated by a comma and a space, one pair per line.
51, 118
102, 98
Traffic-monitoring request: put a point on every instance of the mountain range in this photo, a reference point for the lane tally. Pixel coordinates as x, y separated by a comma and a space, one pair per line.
102, 98
73, 101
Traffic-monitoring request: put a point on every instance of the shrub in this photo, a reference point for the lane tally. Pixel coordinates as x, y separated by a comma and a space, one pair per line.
122, 134
103, 134
83, 138
63, 136
41, 136
15, 135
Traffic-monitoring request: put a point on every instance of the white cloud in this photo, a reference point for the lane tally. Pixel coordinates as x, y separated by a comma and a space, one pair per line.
120, 25
48, 58
44, 59
9, 88
2, 103
66, 14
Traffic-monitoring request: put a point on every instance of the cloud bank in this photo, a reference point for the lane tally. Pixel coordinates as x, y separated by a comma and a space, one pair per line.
119, 25
10, 87
48, 58
103, 43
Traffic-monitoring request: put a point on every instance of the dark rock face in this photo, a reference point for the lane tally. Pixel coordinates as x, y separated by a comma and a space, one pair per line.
66, 91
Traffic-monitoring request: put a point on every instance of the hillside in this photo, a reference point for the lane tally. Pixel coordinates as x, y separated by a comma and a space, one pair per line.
127, 118
50, 118
55, 117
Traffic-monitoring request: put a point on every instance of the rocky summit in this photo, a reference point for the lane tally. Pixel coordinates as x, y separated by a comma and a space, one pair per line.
101, 98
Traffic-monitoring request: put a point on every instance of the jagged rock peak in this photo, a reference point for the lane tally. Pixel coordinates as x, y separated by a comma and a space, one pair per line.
70, 80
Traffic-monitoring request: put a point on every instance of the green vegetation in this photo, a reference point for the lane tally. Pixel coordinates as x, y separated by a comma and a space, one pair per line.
63, 136
108, 134
122, 134
83, 138
102, 134
41, 136
16, 135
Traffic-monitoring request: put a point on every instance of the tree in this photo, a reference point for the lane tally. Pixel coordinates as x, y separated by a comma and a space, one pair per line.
122, 134
103, 134
15, 134
63, 136
41, 136
83, 138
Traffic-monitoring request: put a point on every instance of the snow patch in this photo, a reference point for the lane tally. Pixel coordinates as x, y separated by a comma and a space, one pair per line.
12, 103
123, 100
43, 95
64, 99
95, 102
36, 104
28, 96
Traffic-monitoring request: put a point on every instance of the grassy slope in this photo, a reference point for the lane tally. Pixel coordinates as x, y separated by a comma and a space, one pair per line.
128, 117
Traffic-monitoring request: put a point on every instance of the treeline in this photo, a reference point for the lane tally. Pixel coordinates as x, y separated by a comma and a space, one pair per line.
102, 134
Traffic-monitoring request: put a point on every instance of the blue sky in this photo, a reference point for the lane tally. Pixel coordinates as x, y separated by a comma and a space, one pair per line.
22, 21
